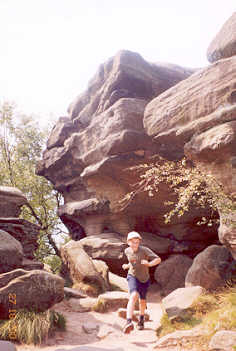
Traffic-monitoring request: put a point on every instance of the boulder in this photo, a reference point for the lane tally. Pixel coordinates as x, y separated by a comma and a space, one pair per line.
11, 252
112, 300
180, 299
106, 246
23, 231
29, 265
82, 305
73, 293
5, 278
11, 200
102, 269
223, 340
118, 282
23, 292
171, 273
224, 43
81, 266
178, 338
211, 268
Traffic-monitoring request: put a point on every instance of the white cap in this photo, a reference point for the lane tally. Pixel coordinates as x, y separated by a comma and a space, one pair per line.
133, 235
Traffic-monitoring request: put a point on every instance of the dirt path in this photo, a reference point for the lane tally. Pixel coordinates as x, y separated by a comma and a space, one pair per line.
76, 339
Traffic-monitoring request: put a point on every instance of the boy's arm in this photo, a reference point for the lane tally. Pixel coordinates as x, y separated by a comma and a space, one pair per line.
154, 262
126, 265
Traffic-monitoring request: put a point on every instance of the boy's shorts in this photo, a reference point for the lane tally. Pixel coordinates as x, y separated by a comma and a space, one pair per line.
135, 285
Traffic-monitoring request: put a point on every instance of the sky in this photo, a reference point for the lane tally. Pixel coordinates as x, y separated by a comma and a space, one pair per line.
50, 49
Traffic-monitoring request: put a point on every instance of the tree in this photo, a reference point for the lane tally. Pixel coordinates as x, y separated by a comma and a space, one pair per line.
190, 184
21, 144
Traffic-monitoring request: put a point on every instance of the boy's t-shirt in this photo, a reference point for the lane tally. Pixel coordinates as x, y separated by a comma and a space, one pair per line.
138, 270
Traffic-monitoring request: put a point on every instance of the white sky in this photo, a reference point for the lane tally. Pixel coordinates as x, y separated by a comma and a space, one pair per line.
50, 49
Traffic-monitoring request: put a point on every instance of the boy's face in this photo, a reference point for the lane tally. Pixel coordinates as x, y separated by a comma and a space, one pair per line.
134, 243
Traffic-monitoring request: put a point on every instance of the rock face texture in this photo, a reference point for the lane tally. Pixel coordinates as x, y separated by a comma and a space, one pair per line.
197, 118
11, 200
19, 288
23, 291
171, 274
210, 268
224, 44
11, 252
131, 112
89, 153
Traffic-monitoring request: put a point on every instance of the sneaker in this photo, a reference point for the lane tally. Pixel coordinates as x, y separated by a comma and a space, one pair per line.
128, 328
140, 325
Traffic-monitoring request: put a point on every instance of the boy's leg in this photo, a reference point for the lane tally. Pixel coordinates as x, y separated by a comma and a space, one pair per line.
142, 306
129, 313
131, 304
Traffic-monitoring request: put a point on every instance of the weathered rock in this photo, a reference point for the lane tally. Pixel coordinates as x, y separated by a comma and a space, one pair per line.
180, 299
112, 300
23, 231
119, 282
180, 338
197, 117
210, 268
11, 252
5, 278
102, 269
82, 305
90, 328
223, 340
227, 231
108, 247
192, 107
127, 75
73, 293
23, 292
81, 265
224, 44
171, 273
104, 331
91, 175
11, 200
29, 265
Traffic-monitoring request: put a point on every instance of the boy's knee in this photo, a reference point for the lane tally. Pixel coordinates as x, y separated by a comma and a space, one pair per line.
134, 295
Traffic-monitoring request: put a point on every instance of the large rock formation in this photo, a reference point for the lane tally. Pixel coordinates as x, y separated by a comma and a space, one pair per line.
197, 117
89, 154
132, 111
224, 44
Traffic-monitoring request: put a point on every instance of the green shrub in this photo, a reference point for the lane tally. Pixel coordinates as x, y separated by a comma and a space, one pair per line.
29, 327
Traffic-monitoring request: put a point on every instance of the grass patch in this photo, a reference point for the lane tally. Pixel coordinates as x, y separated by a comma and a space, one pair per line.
212, 312
29, 327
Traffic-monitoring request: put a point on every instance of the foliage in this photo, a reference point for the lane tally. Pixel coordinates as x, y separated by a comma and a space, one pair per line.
31, 327
190, 184
22, 141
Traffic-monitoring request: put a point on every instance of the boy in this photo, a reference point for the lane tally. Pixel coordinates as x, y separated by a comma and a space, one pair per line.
140, 259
